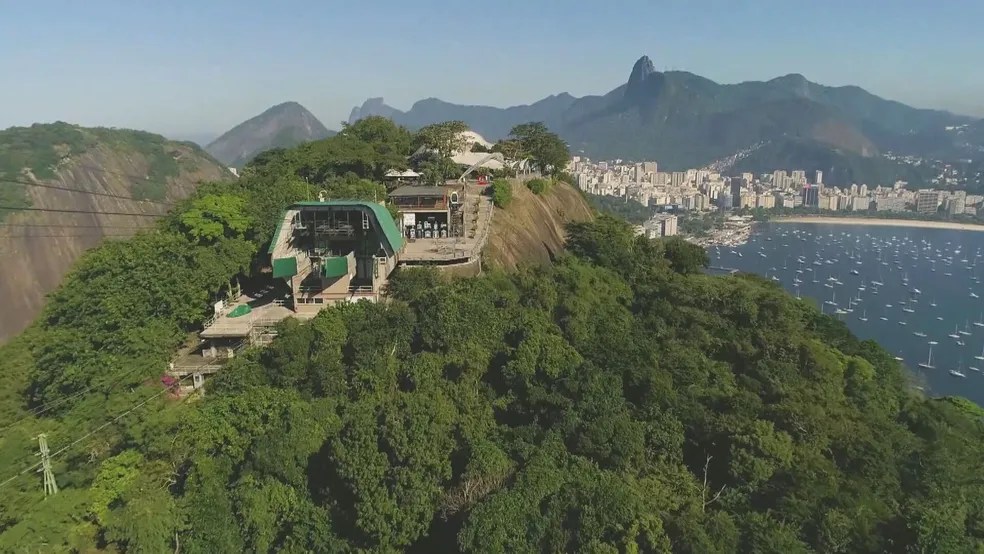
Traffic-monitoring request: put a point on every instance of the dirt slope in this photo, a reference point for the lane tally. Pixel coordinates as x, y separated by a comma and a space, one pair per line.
531, 229
38, 248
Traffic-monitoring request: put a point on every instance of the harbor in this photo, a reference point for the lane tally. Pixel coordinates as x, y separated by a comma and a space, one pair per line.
916, 291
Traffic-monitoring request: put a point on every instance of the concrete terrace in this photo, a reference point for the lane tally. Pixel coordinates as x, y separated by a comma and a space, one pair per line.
477, 221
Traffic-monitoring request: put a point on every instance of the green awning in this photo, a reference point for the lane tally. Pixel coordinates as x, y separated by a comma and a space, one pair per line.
334, 267
240, 310
284, 267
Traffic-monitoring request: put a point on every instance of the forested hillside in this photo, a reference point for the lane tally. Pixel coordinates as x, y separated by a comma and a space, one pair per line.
614, 400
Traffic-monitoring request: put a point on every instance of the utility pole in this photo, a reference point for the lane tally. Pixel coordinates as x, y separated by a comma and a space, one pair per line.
50, 487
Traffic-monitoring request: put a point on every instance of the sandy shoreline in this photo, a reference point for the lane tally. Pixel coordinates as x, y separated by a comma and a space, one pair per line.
880, 222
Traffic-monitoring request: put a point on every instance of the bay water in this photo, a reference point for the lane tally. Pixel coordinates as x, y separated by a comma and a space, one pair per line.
902, 287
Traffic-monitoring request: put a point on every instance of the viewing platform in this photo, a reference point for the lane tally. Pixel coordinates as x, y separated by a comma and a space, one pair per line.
478, 212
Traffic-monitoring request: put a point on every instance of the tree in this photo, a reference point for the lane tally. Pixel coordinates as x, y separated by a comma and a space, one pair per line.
684, 257
446, 137
546, 150
214, 216
501, 193
510, 149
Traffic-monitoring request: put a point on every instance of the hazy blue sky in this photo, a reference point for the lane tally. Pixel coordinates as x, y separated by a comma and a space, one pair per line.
185, 67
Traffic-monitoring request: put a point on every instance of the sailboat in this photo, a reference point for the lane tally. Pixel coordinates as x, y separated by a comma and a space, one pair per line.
864, 316
919, 334
929, 360
979, 322
981, 357
954, 334
966, 330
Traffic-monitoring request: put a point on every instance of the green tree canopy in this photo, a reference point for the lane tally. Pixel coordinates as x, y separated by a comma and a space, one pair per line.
546, 150
214, 216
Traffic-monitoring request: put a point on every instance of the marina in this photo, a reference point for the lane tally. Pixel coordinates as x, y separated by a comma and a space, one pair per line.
916, 291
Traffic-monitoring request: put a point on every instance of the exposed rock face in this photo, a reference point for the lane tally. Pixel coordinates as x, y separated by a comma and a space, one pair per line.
38, 248
532, 229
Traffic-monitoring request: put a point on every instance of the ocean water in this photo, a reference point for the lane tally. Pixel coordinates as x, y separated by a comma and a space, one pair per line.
839, 267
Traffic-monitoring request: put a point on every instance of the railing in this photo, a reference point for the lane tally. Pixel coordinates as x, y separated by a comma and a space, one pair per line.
488, 227
361, 290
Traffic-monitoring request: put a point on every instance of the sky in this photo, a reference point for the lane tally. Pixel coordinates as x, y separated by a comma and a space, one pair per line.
191, 68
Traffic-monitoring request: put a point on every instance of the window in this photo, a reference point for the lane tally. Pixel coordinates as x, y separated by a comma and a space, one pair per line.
319, 300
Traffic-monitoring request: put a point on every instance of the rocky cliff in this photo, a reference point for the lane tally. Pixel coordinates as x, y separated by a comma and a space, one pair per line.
531, 229
39, 247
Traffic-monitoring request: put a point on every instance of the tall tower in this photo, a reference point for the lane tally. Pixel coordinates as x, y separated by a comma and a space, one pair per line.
50, 487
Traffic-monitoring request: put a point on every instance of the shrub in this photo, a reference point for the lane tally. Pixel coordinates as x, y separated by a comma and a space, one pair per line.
538, 186
501, 193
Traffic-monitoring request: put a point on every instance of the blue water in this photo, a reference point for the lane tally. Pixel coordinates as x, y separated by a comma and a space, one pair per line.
888, 255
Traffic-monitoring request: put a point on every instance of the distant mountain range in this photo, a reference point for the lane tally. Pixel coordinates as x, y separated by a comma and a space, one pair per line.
682, 120
282, 126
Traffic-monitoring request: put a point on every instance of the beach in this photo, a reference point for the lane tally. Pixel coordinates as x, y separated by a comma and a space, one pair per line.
874, 221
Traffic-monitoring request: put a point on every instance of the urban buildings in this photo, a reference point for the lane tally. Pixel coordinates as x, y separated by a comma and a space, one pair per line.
661, 225
702, 189
927, 201
811, 195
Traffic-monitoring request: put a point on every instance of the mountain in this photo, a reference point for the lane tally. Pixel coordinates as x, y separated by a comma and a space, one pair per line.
101, 164
281, 126
684, 120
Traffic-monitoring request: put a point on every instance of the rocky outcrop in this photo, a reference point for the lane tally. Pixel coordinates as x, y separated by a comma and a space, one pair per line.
38, 248
532, 229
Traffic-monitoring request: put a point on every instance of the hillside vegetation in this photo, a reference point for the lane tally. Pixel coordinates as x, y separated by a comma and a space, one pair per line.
113, 170
615, 399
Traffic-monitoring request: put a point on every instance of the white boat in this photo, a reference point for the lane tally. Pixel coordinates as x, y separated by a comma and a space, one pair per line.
883, 318
954, 334
981, 357
919, 334
929, 360
979, 322
974, 295
864, 316
956, 373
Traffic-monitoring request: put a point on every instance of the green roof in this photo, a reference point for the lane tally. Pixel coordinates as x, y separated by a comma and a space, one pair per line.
385, 221
284, 267
335, 267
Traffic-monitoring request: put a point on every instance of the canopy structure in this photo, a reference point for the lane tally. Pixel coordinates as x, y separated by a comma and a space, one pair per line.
284, 267
407, 174
335, 267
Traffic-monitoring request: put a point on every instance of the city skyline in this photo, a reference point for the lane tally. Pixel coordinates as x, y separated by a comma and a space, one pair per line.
192, 68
